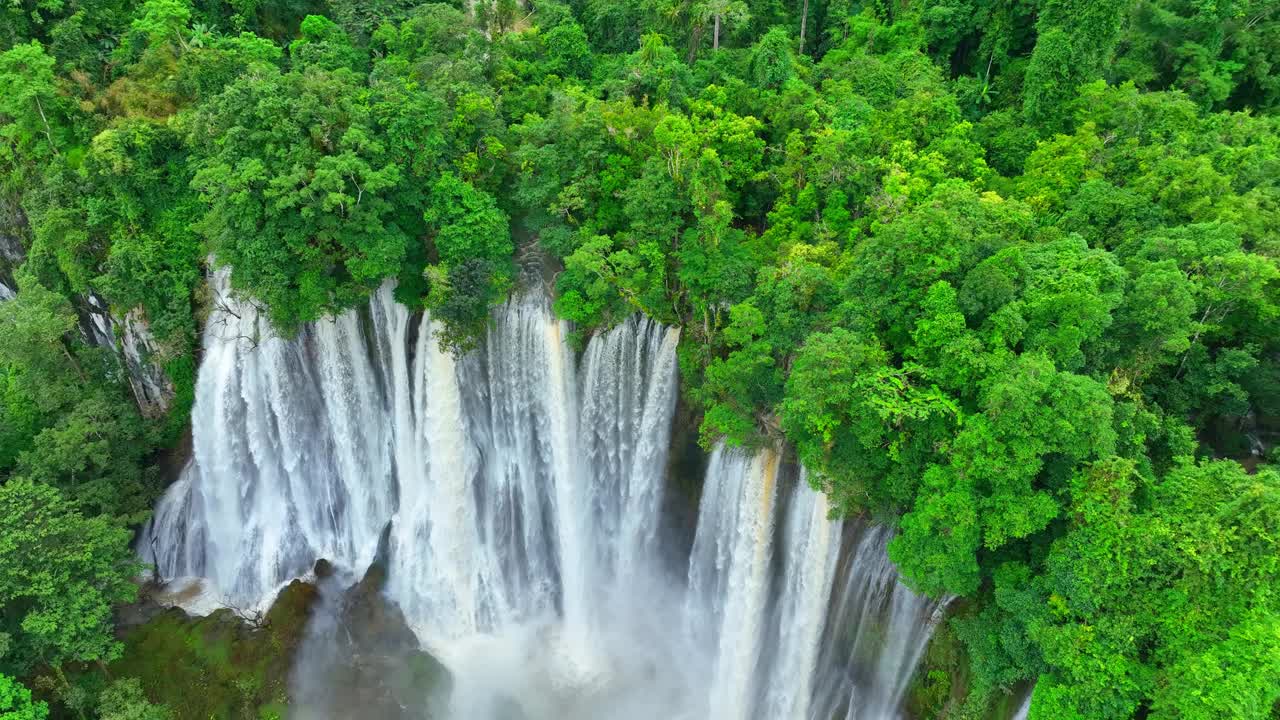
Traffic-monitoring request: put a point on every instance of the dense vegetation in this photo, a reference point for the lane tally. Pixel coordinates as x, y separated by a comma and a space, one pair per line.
1004, 274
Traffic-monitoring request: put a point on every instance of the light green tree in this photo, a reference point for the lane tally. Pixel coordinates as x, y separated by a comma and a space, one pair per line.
60, 575
16, 702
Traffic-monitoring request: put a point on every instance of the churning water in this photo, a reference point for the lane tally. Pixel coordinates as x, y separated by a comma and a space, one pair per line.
521, 489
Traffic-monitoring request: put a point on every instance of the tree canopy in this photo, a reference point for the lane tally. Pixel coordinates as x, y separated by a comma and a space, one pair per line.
1004, 275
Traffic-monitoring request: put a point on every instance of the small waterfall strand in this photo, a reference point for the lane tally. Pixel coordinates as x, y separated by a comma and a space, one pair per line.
877, 632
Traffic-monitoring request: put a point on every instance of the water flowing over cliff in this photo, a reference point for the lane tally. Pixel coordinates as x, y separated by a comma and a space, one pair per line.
518, 494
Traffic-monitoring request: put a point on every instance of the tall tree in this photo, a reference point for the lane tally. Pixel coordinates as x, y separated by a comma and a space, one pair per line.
1076, 40
720, 11
60, 575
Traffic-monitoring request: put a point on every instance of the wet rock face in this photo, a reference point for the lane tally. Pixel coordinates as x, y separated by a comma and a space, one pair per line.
13, 241
151, 386
375, 624
137, 347
323, 651
13, 233
130, 337
361, 659
323, 569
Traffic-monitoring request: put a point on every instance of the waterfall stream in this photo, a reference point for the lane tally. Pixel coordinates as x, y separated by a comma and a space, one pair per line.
521, 490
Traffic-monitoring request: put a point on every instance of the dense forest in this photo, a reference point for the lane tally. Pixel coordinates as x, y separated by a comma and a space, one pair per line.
1005, 273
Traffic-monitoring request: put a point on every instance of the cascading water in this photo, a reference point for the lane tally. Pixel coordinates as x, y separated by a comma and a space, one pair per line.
1024, 709
520, 491
291, 462
811, 543
729, 571
877, 630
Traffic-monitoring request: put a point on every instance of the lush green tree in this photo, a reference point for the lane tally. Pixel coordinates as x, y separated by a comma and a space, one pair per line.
473, 244
323, 44
16, 702
95, 454
1075, 41
163, 21
38, 325
851, 411
718, 12
81, 434
20, 416
1220, 54
1199, 541
31, 106
60, 576
1003, 273
296, 179
124, 700
568, 52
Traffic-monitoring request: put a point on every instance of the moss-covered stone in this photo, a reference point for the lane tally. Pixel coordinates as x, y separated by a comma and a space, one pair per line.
219, 666
941, 687
228, 667
941, 683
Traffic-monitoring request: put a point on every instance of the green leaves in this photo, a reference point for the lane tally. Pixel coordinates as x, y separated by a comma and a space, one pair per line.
1165, 600
16, 702
60, 575
1075, 40
842, 390
297, 184
938, 540
163, 21
987, 296
124, 700
473, 243
29, 106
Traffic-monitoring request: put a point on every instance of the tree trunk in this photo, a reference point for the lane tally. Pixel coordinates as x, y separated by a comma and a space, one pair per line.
66, 688
74, 362
694, 41
47, 132
804, 17
715, 41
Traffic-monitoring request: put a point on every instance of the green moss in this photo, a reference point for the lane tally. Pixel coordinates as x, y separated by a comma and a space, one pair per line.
941, 684
942, 687
218, 666
273, 711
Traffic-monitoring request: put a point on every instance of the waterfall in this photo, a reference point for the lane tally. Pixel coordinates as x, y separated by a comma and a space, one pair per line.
437, 572
628, 397
290, 459
520, 491
1024, 709
729, 571
878, 630
811, 545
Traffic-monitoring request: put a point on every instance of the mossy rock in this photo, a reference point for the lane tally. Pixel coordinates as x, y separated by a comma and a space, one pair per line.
942, 686
941, 682
219, 666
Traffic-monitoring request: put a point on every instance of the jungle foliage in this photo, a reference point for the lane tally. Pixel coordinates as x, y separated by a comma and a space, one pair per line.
1004, 274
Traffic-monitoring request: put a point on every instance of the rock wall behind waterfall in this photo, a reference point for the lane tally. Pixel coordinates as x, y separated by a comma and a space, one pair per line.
151, 386
129, 337
15, 236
